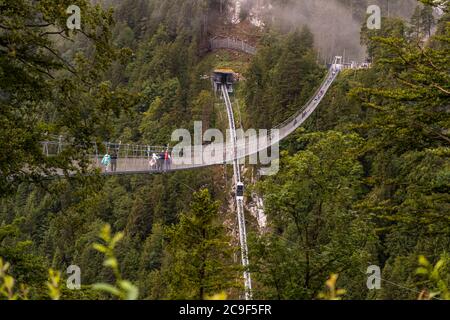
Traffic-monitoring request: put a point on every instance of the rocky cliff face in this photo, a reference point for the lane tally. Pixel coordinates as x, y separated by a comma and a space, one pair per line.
251, 10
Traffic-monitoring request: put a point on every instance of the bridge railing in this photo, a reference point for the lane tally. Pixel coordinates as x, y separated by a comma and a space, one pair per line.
231, 43
53, 148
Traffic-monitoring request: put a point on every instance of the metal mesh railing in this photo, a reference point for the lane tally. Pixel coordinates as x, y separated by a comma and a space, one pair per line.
233, 44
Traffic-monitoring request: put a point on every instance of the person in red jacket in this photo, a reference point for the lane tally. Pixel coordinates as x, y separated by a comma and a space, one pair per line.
167, 159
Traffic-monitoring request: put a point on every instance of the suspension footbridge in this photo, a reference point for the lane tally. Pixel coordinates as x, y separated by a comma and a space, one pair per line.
137, 159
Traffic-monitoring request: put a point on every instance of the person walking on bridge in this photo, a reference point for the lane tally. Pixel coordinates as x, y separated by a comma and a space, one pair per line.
160, 162
153, 162
114, 157
106, 161
167, 159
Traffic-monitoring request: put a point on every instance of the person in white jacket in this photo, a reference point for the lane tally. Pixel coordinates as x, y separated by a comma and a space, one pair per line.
153, 161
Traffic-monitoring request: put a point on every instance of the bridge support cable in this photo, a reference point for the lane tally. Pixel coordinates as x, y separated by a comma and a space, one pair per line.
239, 202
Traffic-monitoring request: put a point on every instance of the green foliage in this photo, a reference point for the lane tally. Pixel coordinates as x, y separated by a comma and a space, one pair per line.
198, 261
422, 22
280, 78
45, 92
123, 289
7, 283
29, 268
316, 228
408, 150
53, 284
438, 276
332, 292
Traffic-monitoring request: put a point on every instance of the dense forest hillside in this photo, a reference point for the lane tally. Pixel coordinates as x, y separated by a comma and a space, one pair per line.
365, 182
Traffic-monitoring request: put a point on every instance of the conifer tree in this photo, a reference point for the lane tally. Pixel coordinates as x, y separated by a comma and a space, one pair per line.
198, 260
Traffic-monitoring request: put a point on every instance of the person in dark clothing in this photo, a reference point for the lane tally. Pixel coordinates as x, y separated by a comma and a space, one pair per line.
114, 157
160, 162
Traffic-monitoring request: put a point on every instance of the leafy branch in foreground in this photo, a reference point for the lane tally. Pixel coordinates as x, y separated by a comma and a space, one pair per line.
436, 277
219, 297
7, 284
332, 292
122, 289
53, 284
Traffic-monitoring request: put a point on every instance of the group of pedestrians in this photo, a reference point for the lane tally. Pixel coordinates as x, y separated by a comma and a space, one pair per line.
110, 161
161, 161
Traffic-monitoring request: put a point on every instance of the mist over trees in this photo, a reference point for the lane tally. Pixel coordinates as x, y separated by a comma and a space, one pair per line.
335, 24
